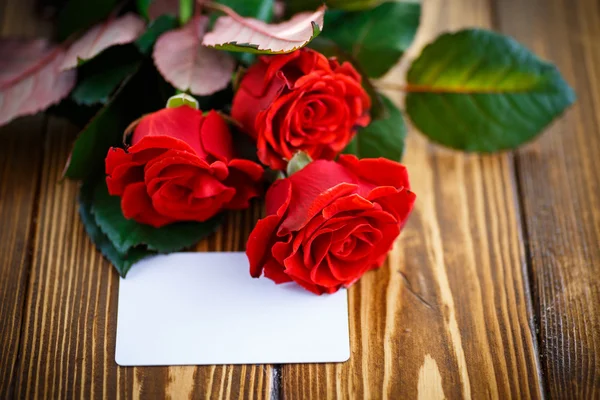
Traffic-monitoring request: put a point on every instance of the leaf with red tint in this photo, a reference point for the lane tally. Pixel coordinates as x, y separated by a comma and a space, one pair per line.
30, 77
162, 7
102, 36
187, 65
236, 33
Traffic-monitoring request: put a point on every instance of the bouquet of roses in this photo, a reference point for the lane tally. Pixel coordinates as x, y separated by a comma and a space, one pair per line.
189, 109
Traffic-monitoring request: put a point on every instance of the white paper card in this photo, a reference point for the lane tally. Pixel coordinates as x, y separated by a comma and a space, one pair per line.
204, 308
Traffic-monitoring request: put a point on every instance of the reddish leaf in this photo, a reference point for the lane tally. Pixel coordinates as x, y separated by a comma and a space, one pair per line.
161, 7
236, 33
187, 65
30, 77
108, 33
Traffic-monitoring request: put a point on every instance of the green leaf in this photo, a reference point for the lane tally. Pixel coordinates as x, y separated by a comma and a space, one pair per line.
138, 94
142, 7
126, 234
376, 38
103, 131
101, 76
296, 6
259, 9
477, 90
97, 89
354, 5
77, 114
121, 261
382, 137
156, 28
78, 15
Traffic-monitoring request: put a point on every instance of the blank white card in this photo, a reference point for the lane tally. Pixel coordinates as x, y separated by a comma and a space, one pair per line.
204, 308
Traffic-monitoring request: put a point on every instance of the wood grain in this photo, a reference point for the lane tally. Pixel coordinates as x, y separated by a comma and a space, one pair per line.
19, 165
71, 309
448, 316
20, 158
560, 190
68, 337
69, 327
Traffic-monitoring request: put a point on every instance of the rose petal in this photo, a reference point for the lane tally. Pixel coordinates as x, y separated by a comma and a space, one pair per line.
306, 60
295, 269
216, 137
283, 248
136, 204
206, 186
206, 199
154, 169
347, 272
249, 168
353, 202
398, 202
244, 192
379, 171
115, 157
160, 144
320, 183
181, 123
278, 197
121, 171
220, 170
274, 271
316, 248
244, 176
258, 245
257, 90
322, 276
269, 126
268, 156
347, 69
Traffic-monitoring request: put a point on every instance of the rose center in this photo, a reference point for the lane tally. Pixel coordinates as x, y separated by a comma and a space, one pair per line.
353, 247
308, 113
175, 192
347, 245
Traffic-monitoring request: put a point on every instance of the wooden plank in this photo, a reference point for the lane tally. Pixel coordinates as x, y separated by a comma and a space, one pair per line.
449, 315
71, 309
560, 189
20, 158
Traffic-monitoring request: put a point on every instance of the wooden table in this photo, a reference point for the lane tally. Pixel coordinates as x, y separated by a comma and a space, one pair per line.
492, 291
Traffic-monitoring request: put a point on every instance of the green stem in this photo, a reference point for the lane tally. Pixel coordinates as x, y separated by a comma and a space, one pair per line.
186, 9
298, 161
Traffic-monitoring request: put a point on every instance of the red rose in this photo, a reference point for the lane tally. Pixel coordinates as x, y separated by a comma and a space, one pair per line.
180, 167
330, 222
300, 101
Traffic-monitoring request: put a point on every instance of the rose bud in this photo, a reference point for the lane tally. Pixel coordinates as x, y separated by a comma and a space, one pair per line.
330, 222
300, 101
180, 167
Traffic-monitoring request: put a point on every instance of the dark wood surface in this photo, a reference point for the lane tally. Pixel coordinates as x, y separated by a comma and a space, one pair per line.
558, 178
492, 291
20, 167
450, 313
